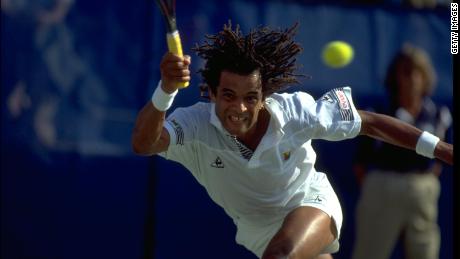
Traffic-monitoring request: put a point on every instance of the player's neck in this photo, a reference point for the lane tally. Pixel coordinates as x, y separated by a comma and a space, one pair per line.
252, 139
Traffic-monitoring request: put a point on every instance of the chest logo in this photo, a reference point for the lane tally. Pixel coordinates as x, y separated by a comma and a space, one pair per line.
286, 155
217, 163
318, 199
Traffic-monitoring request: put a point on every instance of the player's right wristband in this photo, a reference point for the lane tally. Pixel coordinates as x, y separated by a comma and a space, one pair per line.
162, 100
426, 144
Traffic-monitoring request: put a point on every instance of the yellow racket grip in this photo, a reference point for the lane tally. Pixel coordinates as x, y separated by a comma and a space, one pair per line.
175, 47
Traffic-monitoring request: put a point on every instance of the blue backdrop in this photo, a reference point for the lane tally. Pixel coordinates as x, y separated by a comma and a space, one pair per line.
73, 81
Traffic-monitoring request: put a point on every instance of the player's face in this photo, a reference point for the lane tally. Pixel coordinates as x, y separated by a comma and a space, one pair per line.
238, 101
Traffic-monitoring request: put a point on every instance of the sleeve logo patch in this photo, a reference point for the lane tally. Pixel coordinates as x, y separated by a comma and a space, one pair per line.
343, 101
344, 104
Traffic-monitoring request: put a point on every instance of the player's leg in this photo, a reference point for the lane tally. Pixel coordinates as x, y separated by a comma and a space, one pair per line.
305, 233
422, 239
380, 215
324, 256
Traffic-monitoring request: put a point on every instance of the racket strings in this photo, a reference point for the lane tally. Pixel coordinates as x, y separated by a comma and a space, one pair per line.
168, 10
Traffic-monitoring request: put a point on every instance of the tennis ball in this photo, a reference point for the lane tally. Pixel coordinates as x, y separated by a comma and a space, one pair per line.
337, 54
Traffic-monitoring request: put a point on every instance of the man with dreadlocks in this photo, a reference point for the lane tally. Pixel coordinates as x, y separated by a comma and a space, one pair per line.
250, 147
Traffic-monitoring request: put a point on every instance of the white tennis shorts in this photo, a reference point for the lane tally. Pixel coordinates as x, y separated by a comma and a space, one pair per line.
317, 192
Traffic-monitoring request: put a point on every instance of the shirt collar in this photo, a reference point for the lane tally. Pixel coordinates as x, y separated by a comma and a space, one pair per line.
214, 120
276, 112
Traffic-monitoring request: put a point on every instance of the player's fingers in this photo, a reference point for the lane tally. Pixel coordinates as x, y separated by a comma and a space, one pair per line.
169, 56
176, 73
170, 68
184, 72
170, 59
187, 60
183, 78
176, 79
174, 68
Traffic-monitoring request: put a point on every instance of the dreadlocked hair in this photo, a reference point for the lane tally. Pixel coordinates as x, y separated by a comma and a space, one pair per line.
271, 52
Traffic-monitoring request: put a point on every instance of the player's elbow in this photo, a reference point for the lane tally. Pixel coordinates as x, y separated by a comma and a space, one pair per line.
366, 123
139, 147
143, 147
139, 150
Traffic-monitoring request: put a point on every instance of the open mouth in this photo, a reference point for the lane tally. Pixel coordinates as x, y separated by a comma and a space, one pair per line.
236, 122
236, 119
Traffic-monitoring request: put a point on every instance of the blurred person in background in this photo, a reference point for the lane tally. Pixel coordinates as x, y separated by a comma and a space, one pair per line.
50, 89
420, 3
400, 189
40, 69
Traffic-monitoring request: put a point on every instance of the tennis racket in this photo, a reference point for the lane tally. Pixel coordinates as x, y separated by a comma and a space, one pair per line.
168, 10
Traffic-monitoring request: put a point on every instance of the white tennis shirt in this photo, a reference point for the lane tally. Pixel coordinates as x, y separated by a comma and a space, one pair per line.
267, 181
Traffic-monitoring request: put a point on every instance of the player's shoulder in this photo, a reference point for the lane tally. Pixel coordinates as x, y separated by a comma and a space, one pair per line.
289, 106
199, 112
291, 100
199, 109
338, 91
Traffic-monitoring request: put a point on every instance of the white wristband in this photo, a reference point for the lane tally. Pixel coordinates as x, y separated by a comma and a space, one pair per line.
162, 100
426, 144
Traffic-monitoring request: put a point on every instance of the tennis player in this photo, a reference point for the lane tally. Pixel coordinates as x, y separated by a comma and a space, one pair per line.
250, 147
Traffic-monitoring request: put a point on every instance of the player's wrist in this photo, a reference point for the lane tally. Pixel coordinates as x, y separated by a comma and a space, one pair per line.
162, 99
167, 86
426, 144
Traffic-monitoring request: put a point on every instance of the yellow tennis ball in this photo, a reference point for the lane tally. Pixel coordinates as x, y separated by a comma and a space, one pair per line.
337, 54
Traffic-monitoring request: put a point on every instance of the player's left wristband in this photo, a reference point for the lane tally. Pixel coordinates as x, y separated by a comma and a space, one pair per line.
162, 100
426, 144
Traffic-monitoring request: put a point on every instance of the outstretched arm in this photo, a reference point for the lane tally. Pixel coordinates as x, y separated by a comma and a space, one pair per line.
149, 137
399, 133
